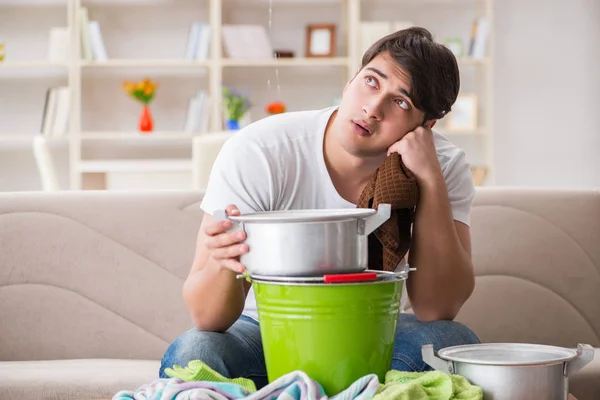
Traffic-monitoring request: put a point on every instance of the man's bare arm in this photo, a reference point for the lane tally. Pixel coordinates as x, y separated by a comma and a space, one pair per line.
441, 252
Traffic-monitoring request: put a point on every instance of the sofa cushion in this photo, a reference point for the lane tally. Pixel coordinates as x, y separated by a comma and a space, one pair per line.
73, 379
94, 275
537, 263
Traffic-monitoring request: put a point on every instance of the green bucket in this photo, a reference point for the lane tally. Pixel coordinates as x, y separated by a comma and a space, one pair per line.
334, 332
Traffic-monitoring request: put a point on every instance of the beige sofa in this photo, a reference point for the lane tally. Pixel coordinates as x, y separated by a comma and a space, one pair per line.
90, 283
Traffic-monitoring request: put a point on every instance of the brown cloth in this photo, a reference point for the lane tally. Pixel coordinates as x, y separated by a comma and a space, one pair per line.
391, 184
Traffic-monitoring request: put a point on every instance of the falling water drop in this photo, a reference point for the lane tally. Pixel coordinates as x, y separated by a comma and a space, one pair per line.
270, 35
270, 15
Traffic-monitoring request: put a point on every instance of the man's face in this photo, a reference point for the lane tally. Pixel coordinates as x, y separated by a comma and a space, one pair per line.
376, 110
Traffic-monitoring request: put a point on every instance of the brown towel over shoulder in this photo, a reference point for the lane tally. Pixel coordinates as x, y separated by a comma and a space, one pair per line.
392, 184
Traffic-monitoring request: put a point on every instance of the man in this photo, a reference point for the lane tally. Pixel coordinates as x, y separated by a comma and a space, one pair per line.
324, 159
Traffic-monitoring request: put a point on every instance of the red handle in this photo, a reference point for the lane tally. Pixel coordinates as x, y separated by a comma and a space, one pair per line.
361, 276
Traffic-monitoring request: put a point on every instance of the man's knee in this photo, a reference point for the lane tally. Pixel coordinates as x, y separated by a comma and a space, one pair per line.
443, 333
412, 335
195, 345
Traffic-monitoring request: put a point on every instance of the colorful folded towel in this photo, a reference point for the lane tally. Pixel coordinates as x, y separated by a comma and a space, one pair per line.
175, 388
431, 385
197, 370
197, 381
293, 386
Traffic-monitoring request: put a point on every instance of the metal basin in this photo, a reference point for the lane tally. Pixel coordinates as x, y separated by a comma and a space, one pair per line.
513, 371
308, 242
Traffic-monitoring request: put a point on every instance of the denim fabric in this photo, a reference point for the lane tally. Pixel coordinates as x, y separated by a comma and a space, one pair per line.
238, 352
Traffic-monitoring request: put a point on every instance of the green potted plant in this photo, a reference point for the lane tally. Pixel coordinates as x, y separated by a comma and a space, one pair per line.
236, 106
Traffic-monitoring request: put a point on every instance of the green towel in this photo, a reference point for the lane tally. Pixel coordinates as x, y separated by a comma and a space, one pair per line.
464, 390
432, 385
197, 370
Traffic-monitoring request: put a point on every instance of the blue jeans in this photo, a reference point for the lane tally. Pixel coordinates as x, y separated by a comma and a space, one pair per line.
238, 352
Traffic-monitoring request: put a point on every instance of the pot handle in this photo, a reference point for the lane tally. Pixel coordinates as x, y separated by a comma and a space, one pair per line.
375, 221
221, 215
435, 362
585, 355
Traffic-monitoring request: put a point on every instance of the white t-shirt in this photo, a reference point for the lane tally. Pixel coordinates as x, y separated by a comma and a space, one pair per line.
277, 163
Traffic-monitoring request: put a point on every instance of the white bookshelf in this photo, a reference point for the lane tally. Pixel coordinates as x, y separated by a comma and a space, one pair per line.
94, 84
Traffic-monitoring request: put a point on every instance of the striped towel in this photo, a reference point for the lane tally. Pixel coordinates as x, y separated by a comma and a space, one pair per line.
293, 386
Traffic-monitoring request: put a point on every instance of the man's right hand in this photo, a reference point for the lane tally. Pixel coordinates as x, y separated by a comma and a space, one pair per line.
226, 247
213, 295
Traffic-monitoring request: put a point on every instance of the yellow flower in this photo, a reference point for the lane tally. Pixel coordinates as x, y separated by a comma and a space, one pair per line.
128, 86
142, 91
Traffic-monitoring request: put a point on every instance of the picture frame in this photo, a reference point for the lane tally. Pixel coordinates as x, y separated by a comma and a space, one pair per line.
463, 116
320, 40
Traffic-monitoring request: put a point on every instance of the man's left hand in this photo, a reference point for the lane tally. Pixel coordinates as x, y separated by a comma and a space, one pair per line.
418, 153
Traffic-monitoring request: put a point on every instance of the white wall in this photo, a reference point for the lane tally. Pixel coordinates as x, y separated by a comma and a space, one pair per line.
547, 93
547, 82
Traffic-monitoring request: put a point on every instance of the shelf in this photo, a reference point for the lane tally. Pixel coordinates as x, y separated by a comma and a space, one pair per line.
32, 64
145, 63
144, 165
31, 69
134, 135
15, 139
287, 62
149, 67
128, 3
26, 140
281, 3
32, 3
390, 3
316, 62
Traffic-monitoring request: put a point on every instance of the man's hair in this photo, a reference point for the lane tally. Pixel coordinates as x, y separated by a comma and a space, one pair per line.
432, 68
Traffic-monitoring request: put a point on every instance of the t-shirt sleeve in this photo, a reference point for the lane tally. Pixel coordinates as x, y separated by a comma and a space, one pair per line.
459, 183
241, 175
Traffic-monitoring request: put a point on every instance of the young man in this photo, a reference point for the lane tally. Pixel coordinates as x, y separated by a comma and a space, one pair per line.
323, 159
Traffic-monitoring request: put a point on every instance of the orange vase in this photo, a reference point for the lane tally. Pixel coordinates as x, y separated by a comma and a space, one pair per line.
146, 124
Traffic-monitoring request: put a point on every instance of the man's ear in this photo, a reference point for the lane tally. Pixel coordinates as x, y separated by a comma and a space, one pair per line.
430, 124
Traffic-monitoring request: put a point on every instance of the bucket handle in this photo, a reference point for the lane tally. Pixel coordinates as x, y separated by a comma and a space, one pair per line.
435, 362
585, 355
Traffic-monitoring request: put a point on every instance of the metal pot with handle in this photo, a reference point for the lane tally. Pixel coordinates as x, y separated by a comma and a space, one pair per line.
513, 371
307, 242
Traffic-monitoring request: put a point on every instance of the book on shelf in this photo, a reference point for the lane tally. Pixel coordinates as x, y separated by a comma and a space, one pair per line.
246, 42
58, 45
198, 113
198, 43
55, 117
479, 38
92, 43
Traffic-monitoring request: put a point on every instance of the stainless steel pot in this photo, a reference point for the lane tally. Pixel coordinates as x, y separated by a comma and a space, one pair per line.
513, 371
307, 242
